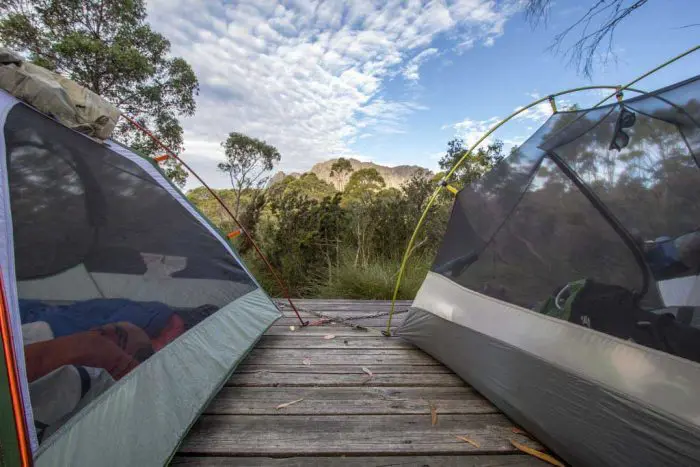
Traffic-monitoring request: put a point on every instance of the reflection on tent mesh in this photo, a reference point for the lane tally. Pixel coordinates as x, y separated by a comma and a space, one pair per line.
525, 229
133, 309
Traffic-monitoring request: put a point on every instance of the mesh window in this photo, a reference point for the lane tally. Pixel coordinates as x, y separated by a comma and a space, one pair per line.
652, 185
110, 266
596, 205
524, 261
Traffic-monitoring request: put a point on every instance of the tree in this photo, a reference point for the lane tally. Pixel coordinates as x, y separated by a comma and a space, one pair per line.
364, 181
475, 165
310, 185
247, 160
107, 46
360, 194
594, 29
340, 170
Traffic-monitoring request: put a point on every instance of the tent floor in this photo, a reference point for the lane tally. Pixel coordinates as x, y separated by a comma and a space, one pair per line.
342, 417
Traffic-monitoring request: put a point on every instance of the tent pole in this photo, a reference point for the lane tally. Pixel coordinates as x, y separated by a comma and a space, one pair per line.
454, 168
617, 89
279, 280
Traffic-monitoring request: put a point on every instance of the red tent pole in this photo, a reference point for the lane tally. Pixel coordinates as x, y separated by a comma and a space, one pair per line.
279, 280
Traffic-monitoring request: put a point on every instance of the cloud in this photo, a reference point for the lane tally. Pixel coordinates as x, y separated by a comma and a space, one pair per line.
309, 76
515, 132
472, 130
410, 71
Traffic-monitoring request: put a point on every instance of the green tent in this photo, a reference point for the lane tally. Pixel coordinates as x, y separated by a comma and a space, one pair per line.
124, 311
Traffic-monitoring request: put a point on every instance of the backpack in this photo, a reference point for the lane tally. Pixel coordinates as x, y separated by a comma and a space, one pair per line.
614, 310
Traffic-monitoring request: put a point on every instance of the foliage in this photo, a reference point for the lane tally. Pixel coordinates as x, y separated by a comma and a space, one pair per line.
247, 160
304, 239
364, 182
309, 232
594, 29
310, 185
107, 46
374, 281
476, 163
340, 170
362, 202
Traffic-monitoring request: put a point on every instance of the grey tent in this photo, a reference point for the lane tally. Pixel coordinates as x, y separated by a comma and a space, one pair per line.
566, 287
124, 311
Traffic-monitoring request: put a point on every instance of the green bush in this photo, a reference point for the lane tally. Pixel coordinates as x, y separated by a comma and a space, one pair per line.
375, 281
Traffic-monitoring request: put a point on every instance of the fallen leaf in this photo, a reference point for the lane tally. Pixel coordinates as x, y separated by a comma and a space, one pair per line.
281, 406
292, 328
306, 361
329, 337
433, 414
538, 454
467, 440
368, 371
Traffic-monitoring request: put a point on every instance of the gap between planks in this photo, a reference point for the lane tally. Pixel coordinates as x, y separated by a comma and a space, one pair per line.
271, 435
510, 460
349, 401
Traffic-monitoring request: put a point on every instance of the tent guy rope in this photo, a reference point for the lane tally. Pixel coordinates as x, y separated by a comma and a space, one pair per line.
245, 232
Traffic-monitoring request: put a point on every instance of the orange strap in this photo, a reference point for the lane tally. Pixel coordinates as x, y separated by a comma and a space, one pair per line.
12, 376
162, 158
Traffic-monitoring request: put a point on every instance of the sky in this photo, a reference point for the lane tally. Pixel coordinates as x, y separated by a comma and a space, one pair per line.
393, 81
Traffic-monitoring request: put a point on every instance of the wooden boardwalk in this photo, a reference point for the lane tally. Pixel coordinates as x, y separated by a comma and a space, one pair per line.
346, 418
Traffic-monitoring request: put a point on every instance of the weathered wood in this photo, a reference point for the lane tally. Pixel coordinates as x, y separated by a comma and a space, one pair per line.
308, 311
295, 367
340, 357
349, 401
370, 322
322, 331
300, 341
265, 435
338, 302
353, 376
511, 460
343, 412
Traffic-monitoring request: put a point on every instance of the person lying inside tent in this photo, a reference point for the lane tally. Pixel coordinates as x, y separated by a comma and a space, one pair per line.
117, 348
158, 321
75, 352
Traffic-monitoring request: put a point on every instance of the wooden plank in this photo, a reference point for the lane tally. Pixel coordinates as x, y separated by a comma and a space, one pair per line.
274, 435
340, 357
254, 367
512, 460
345, 308
343, 375
354, 314
319, 341
325, 301
349, 401
338, 330
370, 322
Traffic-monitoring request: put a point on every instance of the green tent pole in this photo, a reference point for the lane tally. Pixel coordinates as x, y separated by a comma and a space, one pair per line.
432, 199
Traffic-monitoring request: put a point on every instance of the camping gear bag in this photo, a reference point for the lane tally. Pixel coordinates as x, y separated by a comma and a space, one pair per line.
614, 310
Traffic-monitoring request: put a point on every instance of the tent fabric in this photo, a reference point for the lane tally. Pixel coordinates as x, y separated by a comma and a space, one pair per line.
93, 227
606, 195
563, 409
164, 395
7, 270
